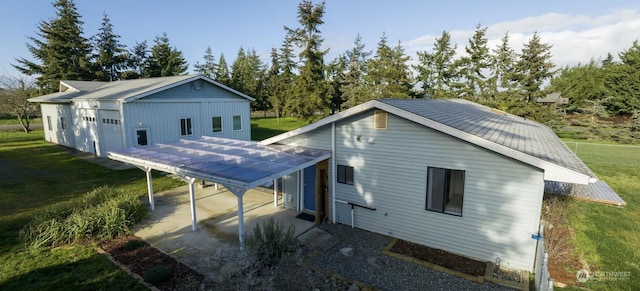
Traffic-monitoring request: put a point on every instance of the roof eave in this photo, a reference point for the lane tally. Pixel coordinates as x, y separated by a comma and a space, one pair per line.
182, 82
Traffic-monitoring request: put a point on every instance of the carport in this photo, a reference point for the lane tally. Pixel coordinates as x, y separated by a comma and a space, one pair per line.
236, 164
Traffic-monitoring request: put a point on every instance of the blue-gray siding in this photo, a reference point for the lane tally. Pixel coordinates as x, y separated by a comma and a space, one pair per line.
502, 197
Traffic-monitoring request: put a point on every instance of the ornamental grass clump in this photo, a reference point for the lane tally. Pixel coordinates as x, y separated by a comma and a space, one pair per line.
270, 241
102, 213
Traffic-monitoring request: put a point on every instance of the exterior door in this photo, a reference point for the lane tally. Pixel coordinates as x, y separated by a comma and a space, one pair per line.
142, 137
309, 199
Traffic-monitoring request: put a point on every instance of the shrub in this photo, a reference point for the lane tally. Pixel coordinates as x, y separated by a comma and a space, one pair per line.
270, 241
556, 210
157, 274
102, 213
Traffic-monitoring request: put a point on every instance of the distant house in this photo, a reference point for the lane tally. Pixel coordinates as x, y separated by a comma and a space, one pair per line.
553, 100
99, 117
449, 174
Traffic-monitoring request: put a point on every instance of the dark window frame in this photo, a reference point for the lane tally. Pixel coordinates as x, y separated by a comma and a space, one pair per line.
443, 198
239, 123
213, 124
186, 126
345, 175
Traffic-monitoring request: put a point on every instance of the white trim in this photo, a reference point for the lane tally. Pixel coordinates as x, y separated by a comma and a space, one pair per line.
552, 172
185, 81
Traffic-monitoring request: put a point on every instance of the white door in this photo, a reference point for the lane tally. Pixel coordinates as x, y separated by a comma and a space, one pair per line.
110, 131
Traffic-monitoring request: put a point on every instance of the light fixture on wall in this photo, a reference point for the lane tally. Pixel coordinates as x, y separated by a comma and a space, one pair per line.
358, 137
370, 140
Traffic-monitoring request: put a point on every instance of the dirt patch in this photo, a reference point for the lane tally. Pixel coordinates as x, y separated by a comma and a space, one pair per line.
440, 258
289, 274
139, 257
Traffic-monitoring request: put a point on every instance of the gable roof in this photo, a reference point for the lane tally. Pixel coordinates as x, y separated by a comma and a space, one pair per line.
520, 139
125, 90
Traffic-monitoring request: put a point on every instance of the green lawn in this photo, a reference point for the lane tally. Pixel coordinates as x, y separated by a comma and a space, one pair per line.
9, 120
608, 237
266, 127
35, 175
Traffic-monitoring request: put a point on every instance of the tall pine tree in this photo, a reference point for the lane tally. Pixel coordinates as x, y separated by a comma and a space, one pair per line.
475, 65
502, 69
387, 73
110, 56
311, 91
222, 72
533, 67
60, 50
436, 70
355, 89
165, 60
208, 68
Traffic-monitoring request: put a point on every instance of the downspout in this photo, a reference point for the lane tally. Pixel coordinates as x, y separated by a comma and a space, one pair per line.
333, 171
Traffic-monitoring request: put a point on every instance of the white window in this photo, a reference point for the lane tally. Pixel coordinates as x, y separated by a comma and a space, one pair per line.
216, 121
62, 124
49, 126
185, 126
445, 190
237, 122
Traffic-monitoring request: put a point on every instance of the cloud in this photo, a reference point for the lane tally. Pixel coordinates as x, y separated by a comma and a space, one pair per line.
574, 38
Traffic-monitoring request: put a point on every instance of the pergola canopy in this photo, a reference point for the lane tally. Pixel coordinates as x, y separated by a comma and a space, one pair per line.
233, 163
236, 164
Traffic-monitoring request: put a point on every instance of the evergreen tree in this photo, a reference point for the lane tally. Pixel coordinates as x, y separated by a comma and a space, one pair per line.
282, 86
61, 52
608, 60
165, 60
475, 65
580, 84
222, 72
336, 78
247, 77
274, 89
502, 68
355, 89
623, 82
311, 91
387, 73
110, 57
208, 68
533, 67
436, 70
137, 62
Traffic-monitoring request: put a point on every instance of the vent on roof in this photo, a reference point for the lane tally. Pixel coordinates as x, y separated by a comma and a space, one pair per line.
498, 111
380, 119
197, 85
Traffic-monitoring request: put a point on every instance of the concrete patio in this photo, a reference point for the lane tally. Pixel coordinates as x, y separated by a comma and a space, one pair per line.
213, 249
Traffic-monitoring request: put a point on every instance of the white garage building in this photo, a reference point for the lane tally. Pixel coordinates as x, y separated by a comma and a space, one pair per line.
99, 117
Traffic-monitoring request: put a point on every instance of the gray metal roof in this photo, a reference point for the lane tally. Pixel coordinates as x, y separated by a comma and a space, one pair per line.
230, 162
514, 132
125, 90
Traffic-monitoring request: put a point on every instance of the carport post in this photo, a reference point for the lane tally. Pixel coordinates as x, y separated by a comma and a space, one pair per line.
239, 192
275, 193
150, 189
192, 198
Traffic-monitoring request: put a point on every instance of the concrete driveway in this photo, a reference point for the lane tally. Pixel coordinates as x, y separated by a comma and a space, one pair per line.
213, 249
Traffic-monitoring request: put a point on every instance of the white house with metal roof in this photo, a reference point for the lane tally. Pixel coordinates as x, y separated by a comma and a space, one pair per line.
449, 174
99, 117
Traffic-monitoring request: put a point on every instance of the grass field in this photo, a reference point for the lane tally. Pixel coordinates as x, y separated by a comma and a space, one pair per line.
266, 127
607, 237
35, 175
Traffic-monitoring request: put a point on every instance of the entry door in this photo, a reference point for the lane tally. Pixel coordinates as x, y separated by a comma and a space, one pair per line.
142, 136
309, 199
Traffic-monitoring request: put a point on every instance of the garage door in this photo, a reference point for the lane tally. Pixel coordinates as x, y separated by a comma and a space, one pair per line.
111, 131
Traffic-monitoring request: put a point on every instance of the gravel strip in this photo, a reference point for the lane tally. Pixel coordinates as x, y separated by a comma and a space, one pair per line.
367, 264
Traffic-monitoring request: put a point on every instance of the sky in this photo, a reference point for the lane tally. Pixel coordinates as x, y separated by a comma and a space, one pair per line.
577, 30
